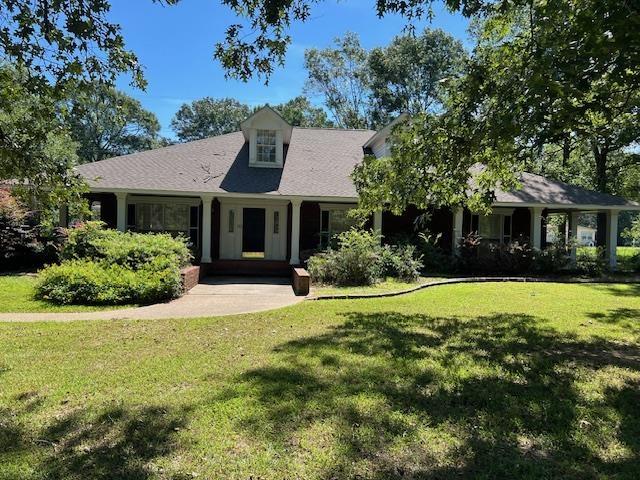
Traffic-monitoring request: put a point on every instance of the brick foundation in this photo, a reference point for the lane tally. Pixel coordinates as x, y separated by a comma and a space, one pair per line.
190, 277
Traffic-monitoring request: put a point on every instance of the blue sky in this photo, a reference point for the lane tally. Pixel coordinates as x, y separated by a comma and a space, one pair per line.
175, 45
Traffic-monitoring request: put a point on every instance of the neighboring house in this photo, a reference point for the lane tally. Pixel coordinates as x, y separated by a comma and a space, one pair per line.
586, 236
254, 200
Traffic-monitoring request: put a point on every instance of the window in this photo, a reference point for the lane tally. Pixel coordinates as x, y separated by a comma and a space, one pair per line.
333, 220
176, 218
276, 222
494, 228
232, 221
266, 146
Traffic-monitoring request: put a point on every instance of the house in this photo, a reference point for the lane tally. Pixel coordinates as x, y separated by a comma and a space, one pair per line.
586, 236
259, 198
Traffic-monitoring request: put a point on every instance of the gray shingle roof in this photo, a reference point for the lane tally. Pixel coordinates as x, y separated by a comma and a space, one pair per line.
318, 163
537, 189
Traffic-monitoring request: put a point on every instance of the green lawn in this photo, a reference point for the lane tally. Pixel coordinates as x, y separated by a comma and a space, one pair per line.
389, 285
625, 256
16, 295
462, 381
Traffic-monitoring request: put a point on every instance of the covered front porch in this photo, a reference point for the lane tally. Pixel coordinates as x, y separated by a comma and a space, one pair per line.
267, 234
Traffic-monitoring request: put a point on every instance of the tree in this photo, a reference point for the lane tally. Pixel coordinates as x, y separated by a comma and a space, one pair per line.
208, 117
409, 74
340, 76
544, 74
299, 112
36, 151
253, 48
632, 233
107, 123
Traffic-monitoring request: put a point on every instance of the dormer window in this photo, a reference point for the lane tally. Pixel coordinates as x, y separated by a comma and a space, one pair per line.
266, 134
266, 142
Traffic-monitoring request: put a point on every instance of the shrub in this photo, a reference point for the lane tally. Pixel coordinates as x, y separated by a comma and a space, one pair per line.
552, 259
591, 262
99, 283
91, 241
401, 262
360, 260
433, 256
23, 242
110, 267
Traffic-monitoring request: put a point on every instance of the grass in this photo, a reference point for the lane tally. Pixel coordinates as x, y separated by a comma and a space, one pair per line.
389, 285
625, 256
463, 381
17, 295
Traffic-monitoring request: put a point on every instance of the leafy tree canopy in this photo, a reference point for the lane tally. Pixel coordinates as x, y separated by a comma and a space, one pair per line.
299, 112
208, 117
341, 77
547, 74
36, 150
106, 123
408, 75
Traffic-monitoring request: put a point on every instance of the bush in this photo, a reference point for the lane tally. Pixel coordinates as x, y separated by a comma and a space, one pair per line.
23, 242
98, 283
360, 260
133, 250
108, 267
591, 262
553, 259
474, 256
401, 262
433, 256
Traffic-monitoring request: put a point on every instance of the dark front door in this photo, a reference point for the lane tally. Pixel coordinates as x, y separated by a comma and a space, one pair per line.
253, 227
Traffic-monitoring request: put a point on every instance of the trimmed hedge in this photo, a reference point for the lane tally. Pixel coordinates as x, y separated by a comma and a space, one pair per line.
107, 267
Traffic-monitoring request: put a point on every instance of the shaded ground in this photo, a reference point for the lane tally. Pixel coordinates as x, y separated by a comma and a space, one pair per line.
466, 381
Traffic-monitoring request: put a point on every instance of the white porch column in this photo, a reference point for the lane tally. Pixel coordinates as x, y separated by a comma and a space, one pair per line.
458, 216
295, 232
573, 235
536, 227
121, 222
377, 223
612, 238
206, 228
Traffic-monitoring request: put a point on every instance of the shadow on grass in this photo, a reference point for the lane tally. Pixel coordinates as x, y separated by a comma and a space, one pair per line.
118, 443
413, 396
628, 318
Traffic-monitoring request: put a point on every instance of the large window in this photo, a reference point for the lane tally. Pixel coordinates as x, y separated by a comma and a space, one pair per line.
494, 228
174, 218
266, 146
333, 220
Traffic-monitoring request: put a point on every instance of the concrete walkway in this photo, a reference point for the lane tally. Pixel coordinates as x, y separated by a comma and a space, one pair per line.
214, 297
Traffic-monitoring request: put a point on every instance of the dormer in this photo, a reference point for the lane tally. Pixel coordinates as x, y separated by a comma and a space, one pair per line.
379, 145
267, 133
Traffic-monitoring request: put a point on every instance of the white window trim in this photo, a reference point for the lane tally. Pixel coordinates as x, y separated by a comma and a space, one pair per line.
502, 213
253, 149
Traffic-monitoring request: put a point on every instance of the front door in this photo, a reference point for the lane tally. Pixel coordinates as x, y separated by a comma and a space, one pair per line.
253, 233
251, 230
